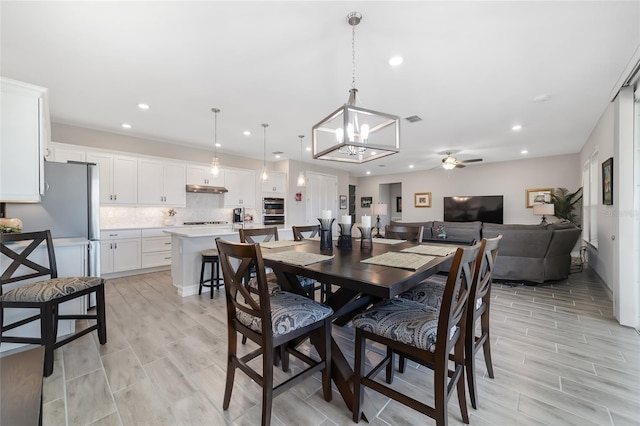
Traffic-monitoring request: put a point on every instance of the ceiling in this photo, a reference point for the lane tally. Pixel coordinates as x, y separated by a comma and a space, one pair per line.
471, 71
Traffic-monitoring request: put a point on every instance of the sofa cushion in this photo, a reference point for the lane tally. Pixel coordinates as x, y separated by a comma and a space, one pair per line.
426, 234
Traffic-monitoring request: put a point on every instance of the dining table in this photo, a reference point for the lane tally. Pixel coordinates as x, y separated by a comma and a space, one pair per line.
362, 277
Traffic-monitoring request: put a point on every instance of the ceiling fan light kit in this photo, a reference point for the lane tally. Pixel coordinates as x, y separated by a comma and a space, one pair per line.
450, 162
353, 134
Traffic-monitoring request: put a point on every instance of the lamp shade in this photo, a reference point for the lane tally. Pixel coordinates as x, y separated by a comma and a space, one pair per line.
543, 209
378, 209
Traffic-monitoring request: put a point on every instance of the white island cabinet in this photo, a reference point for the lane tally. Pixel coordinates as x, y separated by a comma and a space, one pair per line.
186, 248
71, 260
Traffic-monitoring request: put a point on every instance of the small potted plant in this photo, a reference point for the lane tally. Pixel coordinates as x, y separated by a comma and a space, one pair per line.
171, 220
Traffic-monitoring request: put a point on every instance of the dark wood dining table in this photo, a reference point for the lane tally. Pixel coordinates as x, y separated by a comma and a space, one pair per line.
359, 285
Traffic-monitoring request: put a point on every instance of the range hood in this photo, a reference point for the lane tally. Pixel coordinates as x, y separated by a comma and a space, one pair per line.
207, 189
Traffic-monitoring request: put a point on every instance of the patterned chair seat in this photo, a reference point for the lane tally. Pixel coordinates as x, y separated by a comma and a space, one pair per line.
272, 283
43, 291
289, 312
429, 292
404, 321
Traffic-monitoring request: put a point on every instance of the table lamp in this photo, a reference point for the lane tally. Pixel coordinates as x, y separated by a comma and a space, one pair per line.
542, 210
377, 210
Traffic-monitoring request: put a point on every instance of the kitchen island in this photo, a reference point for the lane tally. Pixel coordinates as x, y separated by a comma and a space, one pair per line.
186, 248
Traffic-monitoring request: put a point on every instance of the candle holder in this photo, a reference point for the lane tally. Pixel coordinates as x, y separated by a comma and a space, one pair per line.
344, 241
326, 237
366, 243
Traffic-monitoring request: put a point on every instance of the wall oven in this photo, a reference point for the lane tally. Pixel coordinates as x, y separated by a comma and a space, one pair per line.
273, 211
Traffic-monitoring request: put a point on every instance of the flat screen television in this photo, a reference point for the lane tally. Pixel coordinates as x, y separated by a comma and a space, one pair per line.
485, 208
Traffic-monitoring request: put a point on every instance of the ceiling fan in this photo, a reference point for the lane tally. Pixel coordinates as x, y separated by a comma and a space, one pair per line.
451, 162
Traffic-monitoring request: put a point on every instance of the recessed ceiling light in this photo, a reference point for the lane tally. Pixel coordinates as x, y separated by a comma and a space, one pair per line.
524, 151
373, 153
542, 98
395, 61
516, 127
218, 144
308, 148
143, 106
277, 155
411, 166
247, 133
368, 172
126, 126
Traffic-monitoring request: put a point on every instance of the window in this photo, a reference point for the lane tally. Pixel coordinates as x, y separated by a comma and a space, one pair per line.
590, 200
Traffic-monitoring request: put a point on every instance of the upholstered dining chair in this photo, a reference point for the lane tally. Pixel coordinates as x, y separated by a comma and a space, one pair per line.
426, 336
258, 235
271, 320
301, 233
23, 262
401, 232
430, 293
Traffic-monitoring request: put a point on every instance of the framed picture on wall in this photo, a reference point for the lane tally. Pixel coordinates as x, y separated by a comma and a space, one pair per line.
398, 204
365, 202
343, 202
607, 182
531, 194
422, 199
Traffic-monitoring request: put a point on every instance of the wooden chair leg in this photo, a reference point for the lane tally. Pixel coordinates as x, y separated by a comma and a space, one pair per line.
402, 363
267, 386
231, 369
201, 278
101, 313
326, 356
48, 338
284, 356
358, 395
390, 365
213, 265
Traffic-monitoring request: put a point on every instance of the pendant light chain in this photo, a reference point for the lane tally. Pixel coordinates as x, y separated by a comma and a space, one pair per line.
215, 131
265, 175
353, 56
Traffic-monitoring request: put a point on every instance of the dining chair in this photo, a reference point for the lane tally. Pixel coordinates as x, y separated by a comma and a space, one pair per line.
430, 293
301, 233
258, 235
270, 320
401, 232
425, 335
22, 258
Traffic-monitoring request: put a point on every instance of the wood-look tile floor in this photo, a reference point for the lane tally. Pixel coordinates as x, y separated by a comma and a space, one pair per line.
560, 358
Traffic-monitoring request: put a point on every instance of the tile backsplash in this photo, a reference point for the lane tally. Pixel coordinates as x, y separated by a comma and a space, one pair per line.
200, 207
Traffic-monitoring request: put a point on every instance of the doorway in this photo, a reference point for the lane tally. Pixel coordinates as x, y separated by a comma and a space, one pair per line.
322, 194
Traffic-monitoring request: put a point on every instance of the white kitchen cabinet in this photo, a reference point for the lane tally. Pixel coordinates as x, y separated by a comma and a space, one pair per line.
241, 185
201, 175
61, 153
161, 183
24, 136
120, 250
118, 177
275, 184
156, 248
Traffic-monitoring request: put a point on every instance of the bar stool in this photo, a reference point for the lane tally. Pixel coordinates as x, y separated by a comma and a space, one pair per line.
210, 256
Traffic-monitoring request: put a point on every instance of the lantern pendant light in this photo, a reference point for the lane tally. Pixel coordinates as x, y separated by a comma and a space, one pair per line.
265, 173
302, 181
215, 164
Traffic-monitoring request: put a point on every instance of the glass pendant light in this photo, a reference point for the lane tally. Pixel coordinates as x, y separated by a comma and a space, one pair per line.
265, 173
215, 164
302, 181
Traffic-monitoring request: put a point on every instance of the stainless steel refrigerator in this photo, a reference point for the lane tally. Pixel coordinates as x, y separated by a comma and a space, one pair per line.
70, 208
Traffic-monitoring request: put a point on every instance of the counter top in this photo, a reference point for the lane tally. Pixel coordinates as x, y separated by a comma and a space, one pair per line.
201, 231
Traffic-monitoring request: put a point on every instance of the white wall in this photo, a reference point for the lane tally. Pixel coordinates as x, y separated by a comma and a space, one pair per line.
509, 179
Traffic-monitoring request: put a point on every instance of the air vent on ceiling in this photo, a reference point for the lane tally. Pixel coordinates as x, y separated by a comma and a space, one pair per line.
382, 165
278, 152
413, 119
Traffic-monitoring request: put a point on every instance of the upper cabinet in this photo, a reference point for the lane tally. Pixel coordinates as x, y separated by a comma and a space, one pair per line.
241, 185
118, 177
24, 136
201, 175
276, 183
62, 153
161, 183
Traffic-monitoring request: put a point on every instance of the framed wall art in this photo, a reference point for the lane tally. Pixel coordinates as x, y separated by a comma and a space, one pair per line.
422, 199
398, 204
607, 182
343, 202
531, 194
365, 202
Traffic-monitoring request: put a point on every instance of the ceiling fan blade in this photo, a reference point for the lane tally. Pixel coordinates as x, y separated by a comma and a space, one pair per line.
460, 165
473, 160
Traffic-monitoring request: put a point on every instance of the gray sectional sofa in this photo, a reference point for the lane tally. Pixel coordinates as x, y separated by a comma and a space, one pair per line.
531, 253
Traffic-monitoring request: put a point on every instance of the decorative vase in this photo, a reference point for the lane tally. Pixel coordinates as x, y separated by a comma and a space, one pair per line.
326, 237
169, 221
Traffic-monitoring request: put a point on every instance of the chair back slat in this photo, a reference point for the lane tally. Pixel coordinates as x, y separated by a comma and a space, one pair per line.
18, 248
409, 233
303, 232
237, 260
484, 269
456, 296
250, 235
